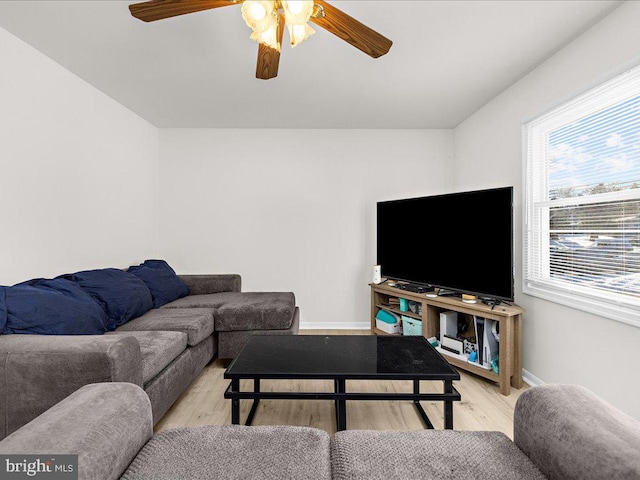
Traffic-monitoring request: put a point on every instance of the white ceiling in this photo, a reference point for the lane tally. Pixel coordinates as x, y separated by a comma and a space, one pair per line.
198, 70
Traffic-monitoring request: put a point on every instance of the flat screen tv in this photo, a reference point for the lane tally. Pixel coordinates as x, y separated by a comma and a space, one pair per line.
461, 242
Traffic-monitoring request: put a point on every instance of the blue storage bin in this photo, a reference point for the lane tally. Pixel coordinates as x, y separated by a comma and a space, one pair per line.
387, 317
411, 326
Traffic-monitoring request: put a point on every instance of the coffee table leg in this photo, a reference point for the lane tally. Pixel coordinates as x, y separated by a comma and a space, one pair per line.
335, 402
341, 410
235, 403
421, 412
448, 406
256, 401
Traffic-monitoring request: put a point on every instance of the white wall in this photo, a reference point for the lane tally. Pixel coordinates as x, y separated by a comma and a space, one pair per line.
78, 172
561, 344
292, 210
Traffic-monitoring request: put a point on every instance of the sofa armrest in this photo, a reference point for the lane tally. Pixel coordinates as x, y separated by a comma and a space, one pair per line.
37, 371
570, 434
105, 424
215, 283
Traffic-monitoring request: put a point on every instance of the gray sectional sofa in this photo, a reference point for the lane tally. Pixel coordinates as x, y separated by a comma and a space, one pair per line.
561, 432
162, 351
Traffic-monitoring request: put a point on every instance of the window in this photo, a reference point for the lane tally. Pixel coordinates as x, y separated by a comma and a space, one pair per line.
582, 201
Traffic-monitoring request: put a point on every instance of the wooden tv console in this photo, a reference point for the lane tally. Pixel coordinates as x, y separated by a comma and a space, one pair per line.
508, 316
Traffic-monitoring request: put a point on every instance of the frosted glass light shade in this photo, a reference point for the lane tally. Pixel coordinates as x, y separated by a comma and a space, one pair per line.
297, 12
299, 33
269, 37
259, 15
262, 17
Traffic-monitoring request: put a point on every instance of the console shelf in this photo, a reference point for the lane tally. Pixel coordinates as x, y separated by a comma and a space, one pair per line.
508, 316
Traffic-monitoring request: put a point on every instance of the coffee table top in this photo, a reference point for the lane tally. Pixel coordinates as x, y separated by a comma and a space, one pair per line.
340, 357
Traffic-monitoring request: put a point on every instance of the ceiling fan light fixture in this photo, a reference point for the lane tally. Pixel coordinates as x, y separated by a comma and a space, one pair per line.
299, 33
267, 19
297, 12
256, 11
269, 37
259, 15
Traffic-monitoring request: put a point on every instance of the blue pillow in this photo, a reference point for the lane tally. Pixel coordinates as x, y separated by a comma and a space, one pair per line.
50, 307
162, 281
123, 296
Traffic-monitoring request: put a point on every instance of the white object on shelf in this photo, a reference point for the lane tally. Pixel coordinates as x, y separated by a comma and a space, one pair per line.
377, 274
388, 327
452, 345
464, 358
448, 324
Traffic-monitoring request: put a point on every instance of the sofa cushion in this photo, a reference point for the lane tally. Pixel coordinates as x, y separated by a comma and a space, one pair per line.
212, 283
50, 307
162, 281
234, 452
206, 300
230, 343
244, 310
428, 454
122, 295
158, 350
256, 311
197, 323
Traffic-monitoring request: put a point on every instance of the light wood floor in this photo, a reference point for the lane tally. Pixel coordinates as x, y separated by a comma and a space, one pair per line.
482, 406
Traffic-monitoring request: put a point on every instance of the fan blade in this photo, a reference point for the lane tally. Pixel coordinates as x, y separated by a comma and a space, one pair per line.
160, 9
351, 30
269, 58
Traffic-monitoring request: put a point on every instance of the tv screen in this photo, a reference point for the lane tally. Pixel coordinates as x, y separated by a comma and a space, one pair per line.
458, 241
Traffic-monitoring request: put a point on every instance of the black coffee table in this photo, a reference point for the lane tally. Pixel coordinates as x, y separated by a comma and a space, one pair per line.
340, 358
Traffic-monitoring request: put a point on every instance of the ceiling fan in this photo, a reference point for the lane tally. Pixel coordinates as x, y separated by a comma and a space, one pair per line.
267, 19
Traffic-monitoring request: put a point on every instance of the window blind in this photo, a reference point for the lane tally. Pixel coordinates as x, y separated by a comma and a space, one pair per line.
582, 201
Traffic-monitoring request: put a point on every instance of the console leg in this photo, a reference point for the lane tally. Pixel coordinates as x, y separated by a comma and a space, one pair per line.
516, 374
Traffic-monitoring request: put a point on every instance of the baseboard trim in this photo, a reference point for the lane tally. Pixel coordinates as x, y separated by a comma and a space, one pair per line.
531, 379
335, 326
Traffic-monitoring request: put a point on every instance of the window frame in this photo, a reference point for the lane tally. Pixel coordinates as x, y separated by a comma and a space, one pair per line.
573, 295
